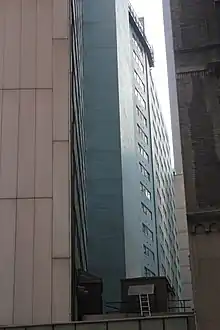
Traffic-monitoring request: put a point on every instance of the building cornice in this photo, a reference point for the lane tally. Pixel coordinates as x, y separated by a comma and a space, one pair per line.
211, 69
139, 30
205, 222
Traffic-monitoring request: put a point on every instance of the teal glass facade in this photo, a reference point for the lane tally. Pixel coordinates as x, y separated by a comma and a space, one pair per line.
122, 218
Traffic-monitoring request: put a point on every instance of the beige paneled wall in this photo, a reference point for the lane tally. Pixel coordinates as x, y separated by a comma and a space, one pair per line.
34, 162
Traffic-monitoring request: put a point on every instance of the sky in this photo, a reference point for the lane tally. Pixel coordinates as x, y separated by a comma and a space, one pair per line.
153, 15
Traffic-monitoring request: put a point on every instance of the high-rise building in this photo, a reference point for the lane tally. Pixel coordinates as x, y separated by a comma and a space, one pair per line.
180, 205
166, 228
196, 26
131, 225
42, 174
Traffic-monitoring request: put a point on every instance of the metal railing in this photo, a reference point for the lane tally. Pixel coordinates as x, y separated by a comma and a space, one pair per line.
183, 322
180, 306
174, 307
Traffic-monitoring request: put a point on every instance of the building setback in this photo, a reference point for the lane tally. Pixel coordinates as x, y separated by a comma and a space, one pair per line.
42, 224
123, 224
196, 27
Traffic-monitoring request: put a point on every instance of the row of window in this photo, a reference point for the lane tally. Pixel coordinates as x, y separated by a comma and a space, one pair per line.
142, 135
160, 213
163, 270
148, 232
158, 120
159, 196
148, 272
162, 250
167, 182
161, 150
148, 252
167, 245
138, 61
144, 171
162, 165
146, 211
143, 153
154, 97
145, 191
156, 107
166, 194
139, 80
140, 98
160, 135
143, 119
138, 46
164, 241
161, 234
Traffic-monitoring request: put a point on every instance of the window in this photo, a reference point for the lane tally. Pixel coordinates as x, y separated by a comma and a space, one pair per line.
137, 45
146, 230
173, 275
160, 214
146, 210
144, 171
145, 191
138, 61
142, 134
167, 246
169, 226
172, 259
169, 266
151, 254
139, 80
148, 272
159, 196
164, 212
148, 252
161, 233
140, 99
141, 116
143, 153
163, 270
162, 250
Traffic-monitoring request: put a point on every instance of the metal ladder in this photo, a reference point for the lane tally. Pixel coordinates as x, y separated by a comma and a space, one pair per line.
144, 305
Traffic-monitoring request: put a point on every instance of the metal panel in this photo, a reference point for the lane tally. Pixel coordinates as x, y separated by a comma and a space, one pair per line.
135, 290
152, 324
176, 323
126, 325
91, 326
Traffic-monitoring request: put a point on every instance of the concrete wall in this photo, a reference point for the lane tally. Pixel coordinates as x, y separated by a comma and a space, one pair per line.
199, 104
180, 205
196, 41
34, 162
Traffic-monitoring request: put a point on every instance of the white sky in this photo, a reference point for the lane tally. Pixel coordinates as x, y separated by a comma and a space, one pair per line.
153, 15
